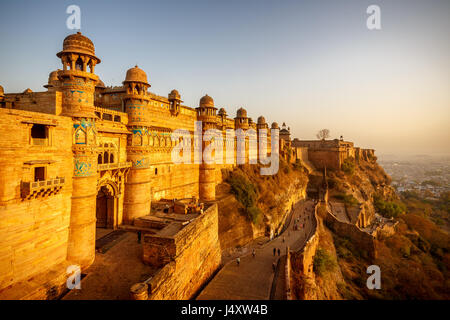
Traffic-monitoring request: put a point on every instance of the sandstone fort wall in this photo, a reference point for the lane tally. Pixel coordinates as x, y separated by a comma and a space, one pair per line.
34, 226
194, 255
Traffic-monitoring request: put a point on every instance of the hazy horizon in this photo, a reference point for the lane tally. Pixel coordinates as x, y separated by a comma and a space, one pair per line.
310, 64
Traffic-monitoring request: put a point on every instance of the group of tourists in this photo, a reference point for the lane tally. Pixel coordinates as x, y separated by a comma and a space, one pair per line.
238, 260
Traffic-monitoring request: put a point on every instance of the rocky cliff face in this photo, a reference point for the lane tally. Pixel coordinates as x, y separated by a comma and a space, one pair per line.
414, 260
357, 189
241, 222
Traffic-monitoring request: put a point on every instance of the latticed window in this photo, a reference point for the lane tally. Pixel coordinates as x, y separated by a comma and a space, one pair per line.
39, 135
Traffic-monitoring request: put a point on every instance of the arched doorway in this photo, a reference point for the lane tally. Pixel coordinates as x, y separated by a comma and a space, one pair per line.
106, 207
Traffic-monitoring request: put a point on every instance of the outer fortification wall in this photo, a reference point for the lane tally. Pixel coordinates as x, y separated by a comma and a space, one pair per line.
191, 257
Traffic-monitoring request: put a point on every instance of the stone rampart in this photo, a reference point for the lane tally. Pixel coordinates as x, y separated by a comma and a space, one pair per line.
192, 258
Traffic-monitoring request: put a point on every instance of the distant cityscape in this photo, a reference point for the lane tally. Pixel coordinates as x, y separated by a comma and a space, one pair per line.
429, 176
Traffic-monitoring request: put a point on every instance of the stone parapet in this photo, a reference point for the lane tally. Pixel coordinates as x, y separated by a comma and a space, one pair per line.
192, 258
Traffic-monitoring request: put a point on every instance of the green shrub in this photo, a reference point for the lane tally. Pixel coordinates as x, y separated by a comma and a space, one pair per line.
389, 209
254, 214
247, 194
348, 199
323, 262
244, 191
348, 166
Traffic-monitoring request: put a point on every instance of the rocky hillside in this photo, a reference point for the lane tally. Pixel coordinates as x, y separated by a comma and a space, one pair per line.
251, 205
414, 262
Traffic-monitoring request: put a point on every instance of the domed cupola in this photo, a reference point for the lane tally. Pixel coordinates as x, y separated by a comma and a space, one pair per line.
206, 101
261, 124
206, 111
175, 102
241, 113
78, 53
53, 80
136, 74
241, 120
136, 98
2, 93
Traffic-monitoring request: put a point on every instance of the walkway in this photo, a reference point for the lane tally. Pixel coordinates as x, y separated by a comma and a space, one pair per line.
253, 278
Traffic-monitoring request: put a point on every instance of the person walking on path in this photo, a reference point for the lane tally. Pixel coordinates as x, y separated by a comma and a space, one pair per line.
274, 251
274, 266
253, 253
238, 261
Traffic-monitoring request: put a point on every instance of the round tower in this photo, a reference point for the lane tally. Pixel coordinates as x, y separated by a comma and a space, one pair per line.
53, 81
241, 120
206, 113
261, 124
77, 77
77, 83
285, 134
175, 102
137, 198
100, 88
2, 94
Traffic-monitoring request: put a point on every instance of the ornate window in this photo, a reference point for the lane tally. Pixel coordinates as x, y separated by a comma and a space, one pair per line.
39, 135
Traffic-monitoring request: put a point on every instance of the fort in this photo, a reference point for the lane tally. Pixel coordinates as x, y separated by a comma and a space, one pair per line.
81, 156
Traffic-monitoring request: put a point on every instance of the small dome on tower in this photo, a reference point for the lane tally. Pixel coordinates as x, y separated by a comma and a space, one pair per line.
77, 43
52, 78
275, 125
174, 94
261, 120
206, 101
222, 112
241, 113
28, 90
100, 84
136, 74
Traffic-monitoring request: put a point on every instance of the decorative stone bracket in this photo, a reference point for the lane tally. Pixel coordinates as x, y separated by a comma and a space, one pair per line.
32, 190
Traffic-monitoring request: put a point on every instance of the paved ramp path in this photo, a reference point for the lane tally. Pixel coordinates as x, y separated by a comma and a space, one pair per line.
254, 277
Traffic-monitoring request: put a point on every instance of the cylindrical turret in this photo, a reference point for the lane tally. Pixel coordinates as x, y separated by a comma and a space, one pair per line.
53, 81
241, 120
137, 198
175, 102
2, 94
206, 113
77, 84
77, 81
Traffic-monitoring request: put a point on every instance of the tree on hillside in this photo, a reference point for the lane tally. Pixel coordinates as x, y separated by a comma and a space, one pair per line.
323, 134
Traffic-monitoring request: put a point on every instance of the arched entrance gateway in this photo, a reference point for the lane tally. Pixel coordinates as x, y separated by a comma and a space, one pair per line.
106, 208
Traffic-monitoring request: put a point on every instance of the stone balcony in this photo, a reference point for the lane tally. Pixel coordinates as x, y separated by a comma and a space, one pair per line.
112, 166
43, 188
